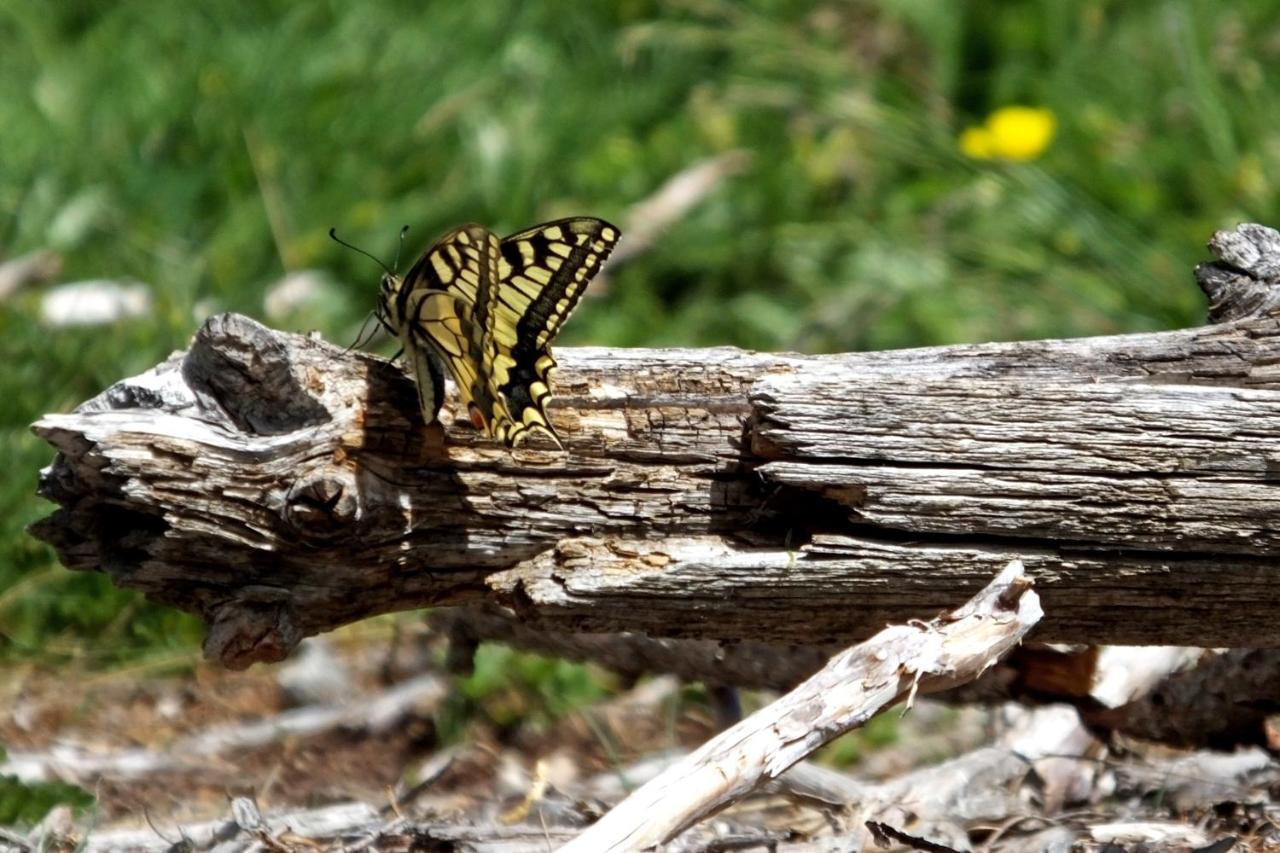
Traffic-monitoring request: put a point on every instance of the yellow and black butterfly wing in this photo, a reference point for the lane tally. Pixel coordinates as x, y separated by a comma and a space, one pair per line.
542, 274
442, 324
426, 364
488, 310
442, 308
428, 377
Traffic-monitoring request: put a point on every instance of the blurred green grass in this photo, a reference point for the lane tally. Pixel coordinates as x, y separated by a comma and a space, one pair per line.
206, 150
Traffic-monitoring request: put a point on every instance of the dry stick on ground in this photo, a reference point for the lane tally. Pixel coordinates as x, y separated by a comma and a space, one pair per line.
976, 785
647, 220
848, 691
280, 487
980, 786
17, 273
68, 762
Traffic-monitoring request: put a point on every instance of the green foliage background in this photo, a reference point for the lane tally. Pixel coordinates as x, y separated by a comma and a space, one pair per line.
207, 148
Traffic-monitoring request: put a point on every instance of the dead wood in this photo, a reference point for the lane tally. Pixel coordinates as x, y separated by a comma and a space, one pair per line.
1179, 696
1182, 697
1222, 703
17, 273
988, 787
818, 802
1165, 835
847, 692
970, 786
280, 487
246, 830
648, 219
1190, 782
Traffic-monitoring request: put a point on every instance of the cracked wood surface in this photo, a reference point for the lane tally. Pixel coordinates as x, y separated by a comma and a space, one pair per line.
279, 486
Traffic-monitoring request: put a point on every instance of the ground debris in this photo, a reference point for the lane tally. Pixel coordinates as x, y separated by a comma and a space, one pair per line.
230, 767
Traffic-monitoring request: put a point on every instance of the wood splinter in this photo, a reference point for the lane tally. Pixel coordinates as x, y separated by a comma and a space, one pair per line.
844, 694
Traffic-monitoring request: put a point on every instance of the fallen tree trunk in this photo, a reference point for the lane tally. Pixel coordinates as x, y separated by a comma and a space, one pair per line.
280, 487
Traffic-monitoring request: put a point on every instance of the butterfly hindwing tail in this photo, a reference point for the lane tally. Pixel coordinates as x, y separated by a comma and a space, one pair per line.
544, 272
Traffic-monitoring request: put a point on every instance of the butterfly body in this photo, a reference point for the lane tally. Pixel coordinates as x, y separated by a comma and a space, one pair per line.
486, 310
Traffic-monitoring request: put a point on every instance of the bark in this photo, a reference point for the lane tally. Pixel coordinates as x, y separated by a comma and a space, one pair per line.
280, 487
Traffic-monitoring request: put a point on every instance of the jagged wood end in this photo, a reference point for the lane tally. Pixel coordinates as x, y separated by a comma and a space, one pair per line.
1245, 281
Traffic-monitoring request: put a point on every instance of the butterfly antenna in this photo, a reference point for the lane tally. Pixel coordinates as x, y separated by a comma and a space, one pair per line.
333, 233
360, 338
403, 231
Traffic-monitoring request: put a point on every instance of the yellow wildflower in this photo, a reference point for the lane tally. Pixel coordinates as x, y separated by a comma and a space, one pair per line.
1010, 133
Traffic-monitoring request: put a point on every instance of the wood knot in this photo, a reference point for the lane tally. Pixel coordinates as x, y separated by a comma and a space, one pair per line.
323, 503
251, 372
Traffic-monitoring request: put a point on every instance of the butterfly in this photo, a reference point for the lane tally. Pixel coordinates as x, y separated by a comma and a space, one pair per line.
487, 310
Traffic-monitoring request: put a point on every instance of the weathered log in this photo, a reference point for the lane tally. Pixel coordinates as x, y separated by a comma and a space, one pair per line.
1168, 695
279, 486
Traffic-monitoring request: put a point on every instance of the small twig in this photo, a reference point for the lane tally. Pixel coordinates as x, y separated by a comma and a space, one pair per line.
182, 836
273, 201
999, 830
431, 773
546, 834
884, 834
649, 218
15, 841
537, 788
392, 801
